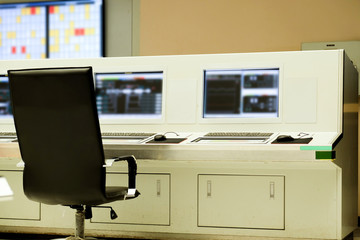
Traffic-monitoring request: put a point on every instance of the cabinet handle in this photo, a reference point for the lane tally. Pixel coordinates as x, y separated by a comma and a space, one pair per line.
272, 190
208, 188
158, 188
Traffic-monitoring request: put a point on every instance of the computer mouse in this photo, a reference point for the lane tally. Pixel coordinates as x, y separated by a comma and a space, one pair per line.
284, 138
159, 137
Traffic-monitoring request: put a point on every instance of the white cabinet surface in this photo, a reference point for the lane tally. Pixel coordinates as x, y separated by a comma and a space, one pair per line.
241, 201
19, 207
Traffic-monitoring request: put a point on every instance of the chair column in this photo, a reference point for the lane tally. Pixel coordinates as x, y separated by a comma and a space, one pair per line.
80, 223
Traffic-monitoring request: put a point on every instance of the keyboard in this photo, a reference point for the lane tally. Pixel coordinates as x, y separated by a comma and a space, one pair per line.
126, 134
237, 134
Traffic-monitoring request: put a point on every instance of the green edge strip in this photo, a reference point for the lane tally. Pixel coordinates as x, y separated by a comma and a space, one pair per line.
316, 148
325, 155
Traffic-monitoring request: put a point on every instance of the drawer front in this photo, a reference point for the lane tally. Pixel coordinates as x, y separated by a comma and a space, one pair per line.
236, 201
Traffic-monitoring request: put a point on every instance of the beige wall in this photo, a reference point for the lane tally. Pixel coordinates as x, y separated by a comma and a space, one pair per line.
223, 26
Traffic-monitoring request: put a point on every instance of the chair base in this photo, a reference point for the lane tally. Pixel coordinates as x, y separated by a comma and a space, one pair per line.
79, 238
74, 238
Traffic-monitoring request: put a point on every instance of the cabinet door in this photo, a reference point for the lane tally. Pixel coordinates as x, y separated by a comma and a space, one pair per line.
19, 207
237, 201
152, 207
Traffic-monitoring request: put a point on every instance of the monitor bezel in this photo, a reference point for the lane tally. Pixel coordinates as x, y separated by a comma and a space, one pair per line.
243, 66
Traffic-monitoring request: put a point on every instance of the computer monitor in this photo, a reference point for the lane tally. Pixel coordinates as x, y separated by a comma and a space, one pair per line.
129, 95
5, 103
51, 29
241, 93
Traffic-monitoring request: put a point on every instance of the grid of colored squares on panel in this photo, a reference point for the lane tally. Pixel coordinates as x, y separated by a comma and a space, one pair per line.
22, 32
56, 29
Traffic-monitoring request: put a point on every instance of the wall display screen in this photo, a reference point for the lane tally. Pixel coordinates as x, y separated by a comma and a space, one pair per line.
132, 95
51, 29
241, 93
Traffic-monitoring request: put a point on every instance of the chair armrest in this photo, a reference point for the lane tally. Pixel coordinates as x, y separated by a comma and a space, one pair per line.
132, 168
109, 162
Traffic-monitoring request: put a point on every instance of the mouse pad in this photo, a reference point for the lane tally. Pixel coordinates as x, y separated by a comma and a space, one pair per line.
295, 141
168, 140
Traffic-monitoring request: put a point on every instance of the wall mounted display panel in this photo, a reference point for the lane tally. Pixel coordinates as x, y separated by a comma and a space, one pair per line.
75, 29
51, 29
22, 31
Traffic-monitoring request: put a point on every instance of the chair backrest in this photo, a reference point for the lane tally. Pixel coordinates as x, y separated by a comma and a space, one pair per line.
59, 136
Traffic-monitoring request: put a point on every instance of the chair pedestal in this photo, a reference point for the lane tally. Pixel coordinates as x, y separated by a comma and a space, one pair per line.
79, 225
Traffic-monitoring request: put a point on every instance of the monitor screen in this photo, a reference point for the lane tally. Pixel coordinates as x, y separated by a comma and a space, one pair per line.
5, 104
51, 29
129, 94
241, 93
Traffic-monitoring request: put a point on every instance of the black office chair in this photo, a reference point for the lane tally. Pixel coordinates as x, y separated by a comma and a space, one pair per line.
60, 142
